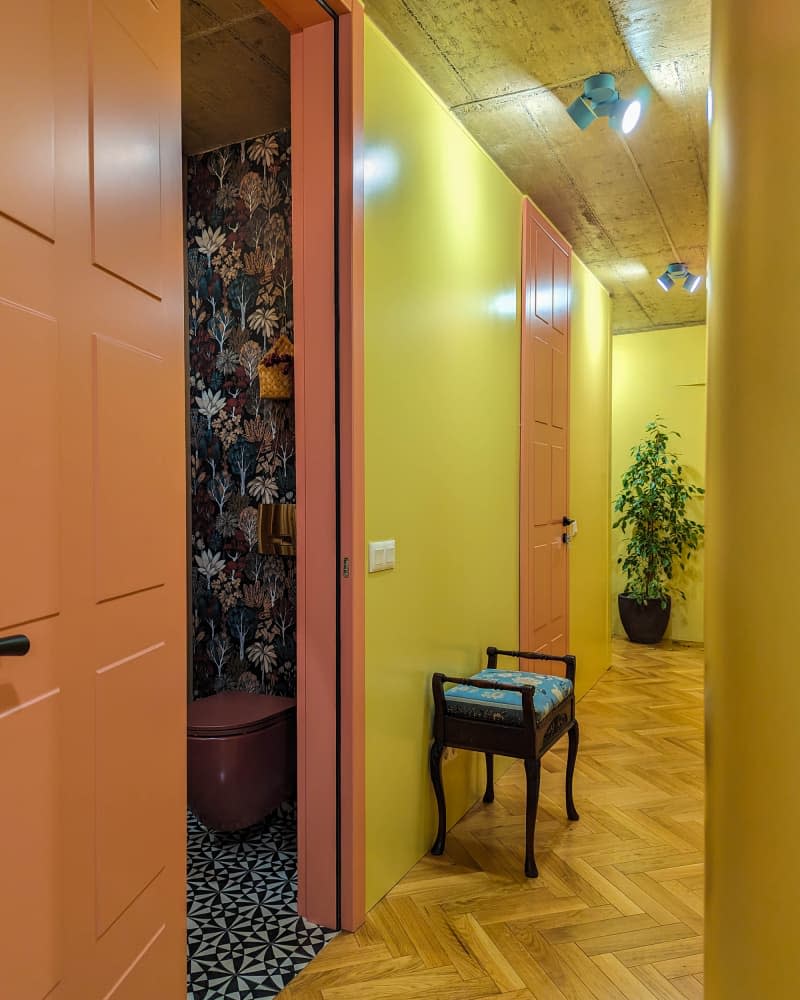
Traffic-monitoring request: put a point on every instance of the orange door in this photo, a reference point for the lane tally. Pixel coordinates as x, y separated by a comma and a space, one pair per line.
544, 436
92, 509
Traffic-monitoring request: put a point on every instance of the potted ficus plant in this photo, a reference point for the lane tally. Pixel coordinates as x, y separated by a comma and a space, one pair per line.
660, 536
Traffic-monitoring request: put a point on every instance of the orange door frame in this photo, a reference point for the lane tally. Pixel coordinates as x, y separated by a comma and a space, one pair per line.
327, 222
297, 15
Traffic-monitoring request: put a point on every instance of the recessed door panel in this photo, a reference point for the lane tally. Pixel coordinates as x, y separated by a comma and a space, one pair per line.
128, 426
561, 292
558, 484
142, 20
29, 413
131, 804
27, 121
542, 381
542, 477
27, 269
558, 585
544, 277
30, 901
144, 977
125, 155
541, 586
560, 389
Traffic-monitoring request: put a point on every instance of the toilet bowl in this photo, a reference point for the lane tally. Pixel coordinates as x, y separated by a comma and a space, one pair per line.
241, 757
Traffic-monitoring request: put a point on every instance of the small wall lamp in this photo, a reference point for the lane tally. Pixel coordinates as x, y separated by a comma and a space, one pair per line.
678, 271
600, 99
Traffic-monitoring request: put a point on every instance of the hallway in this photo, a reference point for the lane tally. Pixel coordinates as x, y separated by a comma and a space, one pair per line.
617, 910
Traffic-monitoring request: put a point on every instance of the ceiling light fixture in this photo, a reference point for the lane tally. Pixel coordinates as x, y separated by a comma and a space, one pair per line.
692, 282
665, 281
626, 116
678, 271
600, 99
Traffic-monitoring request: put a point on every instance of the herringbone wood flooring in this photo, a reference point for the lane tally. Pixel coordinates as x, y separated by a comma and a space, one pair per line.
617, 910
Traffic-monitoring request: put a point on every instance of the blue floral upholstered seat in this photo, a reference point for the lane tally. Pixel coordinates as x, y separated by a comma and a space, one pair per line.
514, 713
486, 705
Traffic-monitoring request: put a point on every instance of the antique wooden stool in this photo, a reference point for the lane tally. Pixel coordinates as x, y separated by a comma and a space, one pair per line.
515, 713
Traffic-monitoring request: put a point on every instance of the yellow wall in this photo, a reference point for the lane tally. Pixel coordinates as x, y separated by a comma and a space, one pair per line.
443, 231
589, 469
662, 372
752, 682
442, 275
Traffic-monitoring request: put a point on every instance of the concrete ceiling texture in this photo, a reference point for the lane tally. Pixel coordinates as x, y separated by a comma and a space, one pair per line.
235, 65
629, 205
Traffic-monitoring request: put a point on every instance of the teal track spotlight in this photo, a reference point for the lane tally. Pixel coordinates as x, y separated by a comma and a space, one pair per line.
600, 88
692, 282
581, 113
600, 99
678, 271
665, 281
626, 115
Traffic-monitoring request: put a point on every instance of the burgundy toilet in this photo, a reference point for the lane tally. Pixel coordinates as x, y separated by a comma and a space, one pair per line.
241, 757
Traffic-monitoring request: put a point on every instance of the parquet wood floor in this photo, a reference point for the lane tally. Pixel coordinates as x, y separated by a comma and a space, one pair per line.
617, 911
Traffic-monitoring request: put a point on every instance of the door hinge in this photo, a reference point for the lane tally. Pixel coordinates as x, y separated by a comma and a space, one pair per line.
346, 568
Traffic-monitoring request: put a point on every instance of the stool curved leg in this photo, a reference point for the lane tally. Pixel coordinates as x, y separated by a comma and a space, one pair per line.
437, 749
532, 774
488, 795
572, 754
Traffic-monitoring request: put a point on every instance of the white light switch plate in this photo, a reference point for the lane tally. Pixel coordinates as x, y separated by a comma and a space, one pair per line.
381, 555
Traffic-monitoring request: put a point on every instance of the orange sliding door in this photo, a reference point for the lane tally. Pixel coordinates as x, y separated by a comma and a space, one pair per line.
544, 446
92, 503
330, 473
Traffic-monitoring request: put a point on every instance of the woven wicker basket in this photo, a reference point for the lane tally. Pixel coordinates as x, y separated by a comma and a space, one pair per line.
276, 381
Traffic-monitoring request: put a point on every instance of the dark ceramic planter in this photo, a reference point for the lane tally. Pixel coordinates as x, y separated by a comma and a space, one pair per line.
645, 623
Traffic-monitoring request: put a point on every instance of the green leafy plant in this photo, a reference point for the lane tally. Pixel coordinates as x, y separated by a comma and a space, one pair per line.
652, 513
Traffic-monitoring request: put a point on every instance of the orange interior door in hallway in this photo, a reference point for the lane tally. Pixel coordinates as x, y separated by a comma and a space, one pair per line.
92, 503
544, 444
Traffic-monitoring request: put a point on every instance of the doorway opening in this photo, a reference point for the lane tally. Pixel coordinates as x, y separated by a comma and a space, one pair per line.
245, 937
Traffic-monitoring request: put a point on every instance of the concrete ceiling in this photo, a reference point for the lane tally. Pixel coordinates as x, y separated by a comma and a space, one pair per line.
629, 206
235, 72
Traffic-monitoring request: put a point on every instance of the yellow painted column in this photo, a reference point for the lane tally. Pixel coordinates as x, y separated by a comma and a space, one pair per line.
753, 545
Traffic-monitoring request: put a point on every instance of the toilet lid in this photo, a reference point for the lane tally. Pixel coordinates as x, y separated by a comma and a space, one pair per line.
231, 713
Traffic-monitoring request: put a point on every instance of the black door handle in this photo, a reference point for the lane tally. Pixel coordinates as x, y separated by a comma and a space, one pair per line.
567, 521
14, 645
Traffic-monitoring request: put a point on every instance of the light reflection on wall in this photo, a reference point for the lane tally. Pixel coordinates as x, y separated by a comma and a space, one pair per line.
630, 269
504, 304
590, 318
381, 169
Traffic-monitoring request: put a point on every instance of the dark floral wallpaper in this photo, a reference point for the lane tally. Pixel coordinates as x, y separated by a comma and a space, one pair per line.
242, 447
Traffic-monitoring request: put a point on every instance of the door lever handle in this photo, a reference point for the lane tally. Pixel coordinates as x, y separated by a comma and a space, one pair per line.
14, 645
567, 521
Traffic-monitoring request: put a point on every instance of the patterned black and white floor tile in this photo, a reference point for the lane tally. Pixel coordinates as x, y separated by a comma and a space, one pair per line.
245, 939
